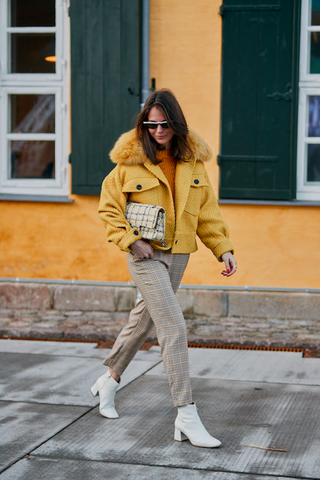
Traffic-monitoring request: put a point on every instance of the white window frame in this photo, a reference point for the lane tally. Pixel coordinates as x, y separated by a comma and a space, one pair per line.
57, 84
309, 84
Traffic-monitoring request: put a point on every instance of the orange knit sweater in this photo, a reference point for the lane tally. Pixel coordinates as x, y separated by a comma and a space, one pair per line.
168, 166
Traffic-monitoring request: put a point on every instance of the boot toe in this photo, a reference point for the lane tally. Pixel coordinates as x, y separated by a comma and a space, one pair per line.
109, 412
215, 443
205, 443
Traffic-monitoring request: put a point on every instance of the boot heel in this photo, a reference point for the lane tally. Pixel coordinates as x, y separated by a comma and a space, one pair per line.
179, 436
94, 390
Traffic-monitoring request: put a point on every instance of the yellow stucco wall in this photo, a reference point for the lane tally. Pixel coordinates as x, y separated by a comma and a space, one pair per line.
275, 245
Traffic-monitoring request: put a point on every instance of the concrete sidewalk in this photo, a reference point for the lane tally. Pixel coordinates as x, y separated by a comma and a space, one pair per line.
51, 427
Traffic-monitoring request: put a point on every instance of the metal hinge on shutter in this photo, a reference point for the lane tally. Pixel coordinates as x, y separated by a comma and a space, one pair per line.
282, 96
247, 8
67, 6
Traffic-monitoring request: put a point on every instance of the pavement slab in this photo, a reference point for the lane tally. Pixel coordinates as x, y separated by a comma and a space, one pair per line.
70, 349
251, 365
35, 347
238, 413
24, 427
37, 468
58, 379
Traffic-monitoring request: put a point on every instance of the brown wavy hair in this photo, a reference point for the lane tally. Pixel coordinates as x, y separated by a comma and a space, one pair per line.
168, 104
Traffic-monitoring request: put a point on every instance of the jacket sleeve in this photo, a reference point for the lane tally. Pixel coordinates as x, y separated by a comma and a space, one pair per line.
212, 229
112, 209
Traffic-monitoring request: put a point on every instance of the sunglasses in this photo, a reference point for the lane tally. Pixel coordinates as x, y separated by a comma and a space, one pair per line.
154, 125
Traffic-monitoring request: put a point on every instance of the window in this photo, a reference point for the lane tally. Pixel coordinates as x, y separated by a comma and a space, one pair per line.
34, 123
308, 165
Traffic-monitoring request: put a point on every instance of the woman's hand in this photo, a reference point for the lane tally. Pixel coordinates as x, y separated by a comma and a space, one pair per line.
142, 249
230, 263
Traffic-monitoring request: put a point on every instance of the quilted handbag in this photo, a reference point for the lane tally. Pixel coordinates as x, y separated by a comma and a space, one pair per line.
149, 219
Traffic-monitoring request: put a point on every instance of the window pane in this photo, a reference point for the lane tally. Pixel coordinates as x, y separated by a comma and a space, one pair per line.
313, 165
29, 53
314, 116
32, 159
32, 113
33, 13
315, 12
314, 52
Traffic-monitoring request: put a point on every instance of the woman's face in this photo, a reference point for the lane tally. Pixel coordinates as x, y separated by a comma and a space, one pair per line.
162, 136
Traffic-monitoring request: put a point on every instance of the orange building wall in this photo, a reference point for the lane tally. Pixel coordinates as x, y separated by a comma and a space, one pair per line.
275, 245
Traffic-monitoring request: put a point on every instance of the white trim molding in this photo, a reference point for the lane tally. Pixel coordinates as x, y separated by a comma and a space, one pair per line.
309, 85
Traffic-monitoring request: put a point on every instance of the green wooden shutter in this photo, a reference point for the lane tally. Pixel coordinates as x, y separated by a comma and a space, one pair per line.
259, 99
105, 84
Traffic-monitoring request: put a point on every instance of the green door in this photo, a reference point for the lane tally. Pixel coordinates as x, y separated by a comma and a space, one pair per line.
105, 84
259, 99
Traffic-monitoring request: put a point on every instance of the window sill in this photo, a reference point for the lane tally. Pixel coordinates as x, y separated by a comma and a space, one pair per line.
292, 203
35, 198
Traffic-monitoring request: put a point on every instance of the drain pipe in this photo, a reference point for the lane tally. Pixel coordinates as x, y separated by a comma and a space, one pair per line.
145, 86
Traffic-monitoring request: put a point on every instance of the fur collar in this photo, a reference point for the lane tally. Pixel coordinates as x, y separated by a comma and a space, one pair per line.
128, 149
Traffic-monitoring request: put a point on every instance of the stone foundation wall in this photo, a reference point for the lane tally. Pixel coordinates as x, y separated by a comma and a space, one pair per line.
213, 316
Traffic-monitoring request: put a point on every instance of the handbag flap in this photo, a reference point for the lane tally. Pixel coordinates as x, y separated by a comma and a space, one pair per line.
141, 215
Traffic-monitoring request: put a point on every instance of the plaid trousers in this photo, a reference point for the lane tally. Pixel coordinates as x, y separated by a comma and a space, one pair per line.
158, 280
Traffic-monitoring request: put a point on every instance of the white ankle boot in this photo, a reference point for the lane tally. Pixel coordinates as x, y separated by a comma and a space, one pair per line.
189, 426
106, 387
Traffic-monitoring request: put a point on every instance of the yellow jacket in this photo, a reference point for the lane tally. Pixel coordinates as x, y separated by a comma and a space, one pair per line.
195, 210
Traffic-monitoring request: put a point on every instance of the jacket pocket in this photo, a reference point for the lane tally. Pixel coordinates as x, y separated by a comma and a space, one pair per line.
198, 182
142, 190
140, 185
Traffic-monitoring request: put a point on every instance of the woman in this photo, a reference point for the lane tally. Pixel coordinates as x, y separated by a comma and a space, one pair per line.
160, 163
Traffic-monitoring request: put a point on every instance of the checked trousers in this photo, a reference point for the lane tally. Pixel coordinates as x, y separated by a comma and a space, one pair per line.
157, 279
